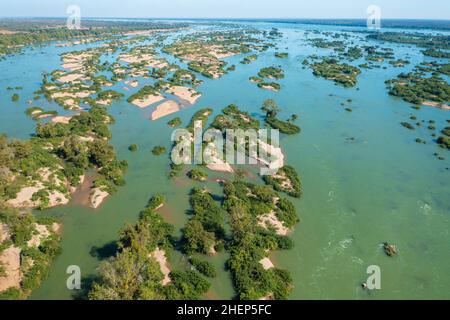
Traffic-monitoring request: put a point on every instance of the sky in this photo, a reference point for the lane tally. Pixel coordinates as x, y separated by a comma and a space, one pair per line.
334, 9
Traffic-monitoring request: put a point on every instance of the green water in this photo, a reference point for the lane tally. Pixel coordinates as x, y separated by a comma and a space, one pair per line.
381, 186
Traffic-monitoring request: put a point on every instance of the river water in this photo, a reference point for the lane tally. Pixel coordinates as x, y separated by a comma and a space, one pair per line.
364, 177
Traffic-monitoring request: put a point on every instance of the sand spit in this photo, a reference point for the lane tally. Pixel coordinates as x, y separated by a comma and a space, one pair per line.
160, 256
165, 109
147, 101
185, 94
97, 197
436, 105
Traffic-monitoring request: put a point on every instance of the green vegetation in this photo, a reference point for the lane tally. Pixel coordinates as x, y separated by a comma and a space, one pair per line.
271, 73
143, 93
15, 97
436, 53
204, 232
407, 125
444, 142
204, 267
269, 86
415, 89
281, 55
134, 274
133, 147
285, 180
331, 69
419, 39
158, 150
198, 175
175, 122
249, 59
251, 241
271, 109
35, 260
233, 118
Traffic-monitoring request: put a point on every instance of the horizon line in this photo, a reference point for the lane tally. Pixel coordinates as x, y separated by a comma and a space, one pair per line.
220, 18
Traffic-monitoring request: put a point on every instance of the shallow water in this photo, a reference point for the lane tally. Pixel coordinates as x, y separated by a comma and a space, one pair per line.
380, 186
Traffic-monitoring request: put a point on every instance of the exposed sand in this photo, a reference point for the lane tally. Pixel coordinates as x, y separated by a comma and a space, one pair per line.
97, 197
61, 119
23, 197
267, 263
185, 93
436, 105
164, 109
160, 256
147, 101
148, 32
4, 232
135, 58
64, 94
70, 77
42, 233
132, 83
270, 88
275, 156
10, 260
270, 219
219, 165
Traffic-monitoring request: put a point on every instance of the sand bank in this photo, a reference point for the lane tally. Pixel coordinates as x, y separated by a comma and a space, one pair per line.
165, 109
61, 119
147, 101
97, 197
186, 94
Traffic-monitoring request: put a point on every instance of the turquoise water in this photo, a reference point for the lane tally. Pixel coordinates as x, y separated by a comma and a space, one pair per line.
381, 186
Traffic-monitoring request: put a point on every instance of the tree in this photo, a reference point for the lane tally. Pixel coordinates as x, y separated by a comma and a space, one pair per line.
270, 107
197, 239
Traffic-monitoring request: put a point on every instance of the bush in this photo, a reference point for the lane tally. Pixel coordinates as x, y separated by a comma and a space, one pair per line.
133, 147
204, 267
158, 150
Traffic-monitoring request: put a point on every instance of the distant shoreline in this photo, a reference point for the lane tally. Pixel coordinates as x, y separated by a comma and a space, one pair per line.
433, 24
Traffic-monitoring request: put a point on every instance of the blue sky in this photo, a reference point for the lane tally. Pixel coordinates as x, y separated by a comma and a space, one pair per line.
429, 9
